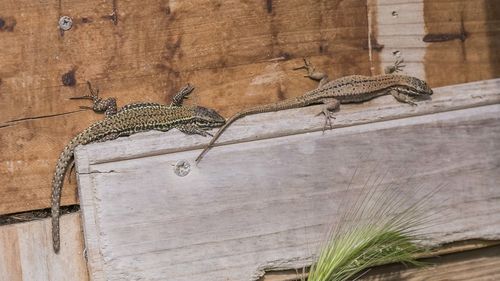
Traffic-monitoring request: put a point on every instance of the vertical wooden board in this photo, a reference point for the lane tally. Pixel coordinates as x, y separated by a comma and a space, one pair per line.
399, 27
267, 204
26, 251
238, 54
463, 41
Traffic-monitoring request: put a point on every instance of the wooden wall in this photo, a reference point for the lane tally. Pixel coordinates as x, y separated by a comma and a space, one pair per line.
237, 53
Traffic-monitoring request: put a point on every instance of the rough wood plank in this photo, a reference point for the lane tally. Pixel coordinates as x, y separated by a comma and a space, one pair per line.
447, 41
26, 251
266, 204
397, 29
156, 46
152, 49
259, 127
466, 40
479, 264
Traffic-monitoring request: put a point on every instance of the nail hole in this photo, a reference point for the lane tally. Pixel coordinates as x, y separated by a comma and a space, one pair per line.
68, 78
394, 14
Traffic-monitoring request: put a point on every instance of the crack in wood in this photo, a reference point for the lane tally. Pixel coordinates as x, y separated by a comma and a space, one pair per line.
17, 121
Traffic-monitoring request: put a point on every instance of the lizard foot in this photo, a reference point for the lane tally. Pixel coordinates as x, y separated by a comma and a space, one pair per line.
396, 67
307, 65
108, 106
313, 74
328, 119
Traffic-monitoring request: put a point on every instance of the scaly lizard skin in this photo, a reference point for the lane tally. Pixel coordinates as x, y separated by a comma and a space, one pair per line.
348, 89
130, 119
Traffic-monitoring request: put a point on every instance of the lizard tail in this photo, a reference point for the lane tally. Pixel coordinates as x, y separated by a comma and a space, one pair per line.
280, 105
57, 182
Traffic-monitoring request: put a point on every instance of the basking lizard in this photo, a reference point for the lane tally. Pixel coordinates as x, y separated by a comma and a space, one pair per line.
130, 119
348, 89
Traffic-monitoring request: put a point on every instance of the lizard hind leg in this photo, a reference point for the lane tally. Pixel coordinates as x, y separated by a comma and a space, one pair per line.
329, 107
183, 93
313, 74
108, 106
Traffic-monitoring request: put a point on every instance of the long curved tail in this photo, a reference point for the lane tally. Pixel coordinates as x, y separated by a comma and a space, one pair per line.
280, 105
65, 159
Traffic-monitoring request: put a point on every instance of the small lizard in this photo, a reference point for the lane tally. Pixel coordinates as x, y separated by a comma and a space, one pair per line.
348, 89
130, 119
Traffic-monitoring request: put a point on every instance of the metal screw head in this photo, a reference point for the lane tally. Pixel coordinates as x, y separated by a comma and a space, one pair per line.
65, 23
182, 168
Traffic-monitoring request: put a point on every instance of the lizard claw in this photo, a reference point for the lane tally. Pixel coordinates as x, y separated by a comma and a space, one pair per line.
396, 67
328, 119
94, 94
307, 65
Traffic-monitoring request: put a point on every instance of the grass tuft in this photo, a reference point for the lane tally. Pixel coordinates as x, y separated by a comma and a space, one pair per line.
377, 229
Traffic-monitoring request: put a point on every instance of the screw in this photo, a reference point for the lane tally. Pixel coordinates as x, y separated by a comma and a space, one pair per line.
182, 168
65, 23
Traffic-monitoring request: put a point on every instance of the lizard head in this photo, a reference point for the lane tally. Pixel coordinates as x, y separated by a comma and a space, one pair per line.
411, 89
207, 118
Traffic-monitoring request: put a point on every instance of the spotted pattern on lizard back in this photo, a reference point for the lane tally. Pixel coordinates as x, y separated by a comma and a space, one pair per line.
131, 119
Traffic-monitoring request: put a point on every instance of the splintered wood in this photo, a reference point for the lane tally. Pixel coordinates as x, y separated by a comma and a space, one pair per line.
265, 205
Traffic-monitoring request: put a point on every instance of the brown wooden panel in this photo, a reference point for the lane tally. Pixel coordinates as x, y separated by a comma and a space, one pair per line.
463, 40
238, 53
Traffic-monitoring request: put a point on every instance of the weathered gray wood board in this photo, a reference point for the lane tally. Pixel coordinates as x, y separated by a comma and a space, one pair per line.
26, 251
265, 204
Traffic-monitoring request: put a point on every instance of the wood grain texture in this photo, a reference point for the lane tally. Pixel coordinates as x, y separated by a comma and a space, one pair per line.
257, 127
266, 204
479, 264
26, 251
466, 40
152, 49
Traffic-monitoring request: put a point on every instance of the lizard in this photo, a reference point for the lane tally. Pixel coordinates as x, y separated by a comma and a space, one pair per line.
347, 89
130, 119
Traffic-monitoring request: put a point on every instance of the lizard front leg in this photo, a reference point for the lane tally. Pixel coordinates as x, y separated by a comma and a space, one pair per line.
108, 106
183, 93
313, 74
330, 105
402, 97
192, 129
